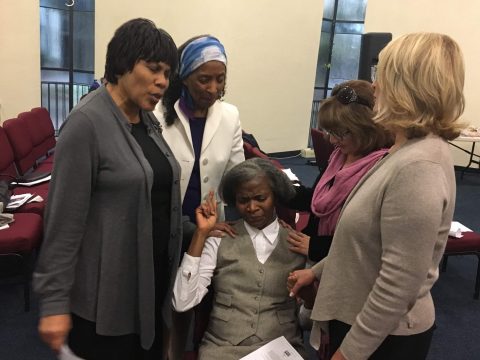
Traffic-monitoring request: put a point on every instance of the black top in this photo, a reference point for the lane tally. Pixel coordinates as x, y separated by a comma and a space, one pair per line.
161, 198
319, 246
193, 194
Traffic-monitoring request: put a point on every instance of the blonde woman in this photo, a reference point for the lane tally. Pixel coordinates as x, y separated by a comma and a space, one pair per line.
374, 295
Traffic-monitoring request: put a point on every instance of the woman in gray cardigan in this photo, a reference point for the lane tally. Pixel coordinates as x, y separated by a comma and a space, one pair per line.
113, 223
374, 294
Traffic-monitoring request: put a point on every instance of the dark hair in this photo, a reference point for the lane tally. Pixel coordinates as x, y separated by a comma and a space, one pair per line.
138, 39
175, 89
349, 109
280, 184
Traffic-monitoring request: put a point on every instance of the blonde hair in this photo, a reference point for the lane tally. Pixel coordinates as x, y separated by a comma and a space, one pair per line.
355, 117
420, 78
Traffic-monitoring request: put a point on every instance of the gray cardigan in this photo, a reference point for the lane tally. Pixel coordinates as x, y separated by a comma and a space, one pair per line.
97, 256
387, 246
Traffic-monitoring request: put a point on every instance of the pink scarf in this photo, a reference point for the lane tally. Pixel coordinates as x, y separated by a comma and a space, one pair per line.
328, 200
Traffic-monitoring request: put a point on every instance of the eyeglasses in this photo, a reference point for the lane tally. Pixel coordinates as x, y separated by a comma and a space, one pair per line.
339, 136
347, 95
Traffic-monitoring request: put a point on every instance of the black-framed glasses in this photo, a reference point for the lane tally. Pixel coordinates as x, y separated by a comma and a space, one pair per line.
338, 135
347, 95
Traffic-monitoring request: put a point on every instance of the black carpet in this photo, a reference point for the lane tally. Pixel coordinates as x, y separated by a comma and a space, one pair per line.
458, 315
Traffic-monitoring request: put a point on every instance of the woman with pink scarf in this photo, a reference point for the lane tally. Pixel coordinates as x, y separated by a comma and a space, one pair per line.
346, 118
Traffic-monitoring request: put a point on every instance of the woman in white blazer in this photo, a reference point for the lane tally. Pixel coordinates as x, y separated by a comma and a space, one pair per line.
205, 136
203, 132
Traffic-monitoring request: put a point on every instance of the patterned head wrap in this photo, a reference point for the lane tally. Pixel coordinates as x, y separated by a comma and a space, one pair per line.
200, 51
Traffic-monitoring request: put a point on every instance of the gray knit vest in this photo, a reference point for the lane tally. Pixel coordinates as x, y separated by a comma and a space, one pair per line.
251, 298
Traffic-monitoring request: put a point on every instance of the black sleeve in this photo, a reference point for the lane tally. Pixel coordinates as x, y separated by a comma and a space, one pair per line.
303, 197
188, 230
319, 247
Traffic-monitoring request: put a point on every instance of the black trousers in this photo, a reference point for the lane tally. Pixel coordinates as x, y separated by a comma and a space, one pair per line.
394, 347
87, 344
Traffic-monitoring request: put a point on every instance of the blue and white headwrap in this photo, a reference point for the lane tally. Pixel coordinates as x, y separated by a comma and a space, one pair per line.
200, 51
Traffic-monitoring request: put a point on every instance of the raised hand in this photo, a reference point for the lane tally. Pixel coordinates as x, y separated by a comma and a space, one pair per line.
206, 214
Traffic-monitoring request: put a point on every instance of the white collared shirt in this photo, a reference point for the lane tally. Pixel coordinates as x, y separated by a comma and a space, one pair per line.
195, 273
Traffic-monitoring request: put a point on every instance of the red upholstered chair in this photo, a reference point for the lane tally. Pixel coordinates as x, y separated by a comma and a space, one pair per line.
469, 244
7, 165
322, 148
21, 143
8, 172
20, 241
40, 127
23, 148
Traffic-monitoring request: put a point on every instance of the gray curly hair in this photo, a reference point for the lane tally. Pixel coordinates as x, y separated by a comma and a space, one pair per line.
280, 184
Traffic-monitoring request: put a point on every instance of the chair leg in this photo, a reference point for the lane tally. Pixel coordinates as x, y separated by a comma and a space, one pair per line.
476, 294
443, 267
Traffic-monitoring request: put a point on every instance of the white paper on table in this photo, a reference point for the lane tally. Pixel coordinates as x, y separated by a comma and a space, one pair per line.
3, 227
457, 228
37, 198
67, 354
35, 182
18, 200
290, 174
278, 349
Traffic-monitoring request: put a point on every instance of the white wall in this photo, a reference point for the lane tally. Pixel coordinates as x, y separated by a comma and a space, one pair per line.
459, 19
272, 48
19, 56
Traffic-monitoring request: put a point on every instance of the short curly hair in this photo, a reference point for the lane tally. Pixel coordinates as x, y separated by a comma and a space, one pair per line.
135, 40
280, 184
420, 78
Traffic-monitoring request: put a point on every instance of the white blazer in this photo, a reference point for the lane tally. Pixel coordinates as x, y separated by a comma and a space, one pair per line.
222, 145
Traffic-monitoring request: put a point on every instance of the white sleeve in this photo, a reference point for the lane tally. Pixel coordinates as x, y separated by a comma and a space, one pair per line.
237, 154
304, 319
194, 276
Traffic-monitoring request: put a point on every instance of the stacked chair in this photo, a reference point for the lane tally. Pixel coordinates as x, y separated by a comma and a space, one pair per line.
27, 144
469, 244
322, 149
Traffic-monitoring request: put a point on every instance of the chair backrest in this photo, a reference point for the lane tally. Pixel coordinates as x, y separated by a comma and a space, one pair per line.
36, 136
7, 165
40, 124
252, 152
21, 142
248, 150
322, 148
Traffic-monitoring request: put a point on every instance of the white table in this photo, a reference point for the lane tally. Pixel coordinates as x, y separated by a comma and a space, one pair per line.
474, 158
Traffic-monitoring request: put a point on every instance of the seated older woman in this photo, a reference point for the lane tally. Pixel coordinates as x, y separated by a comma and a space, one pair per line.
251, 303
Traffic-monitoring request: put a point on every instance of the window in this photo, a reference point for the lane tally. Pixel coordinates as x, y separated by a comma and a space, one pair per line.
338, 56
67, 54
